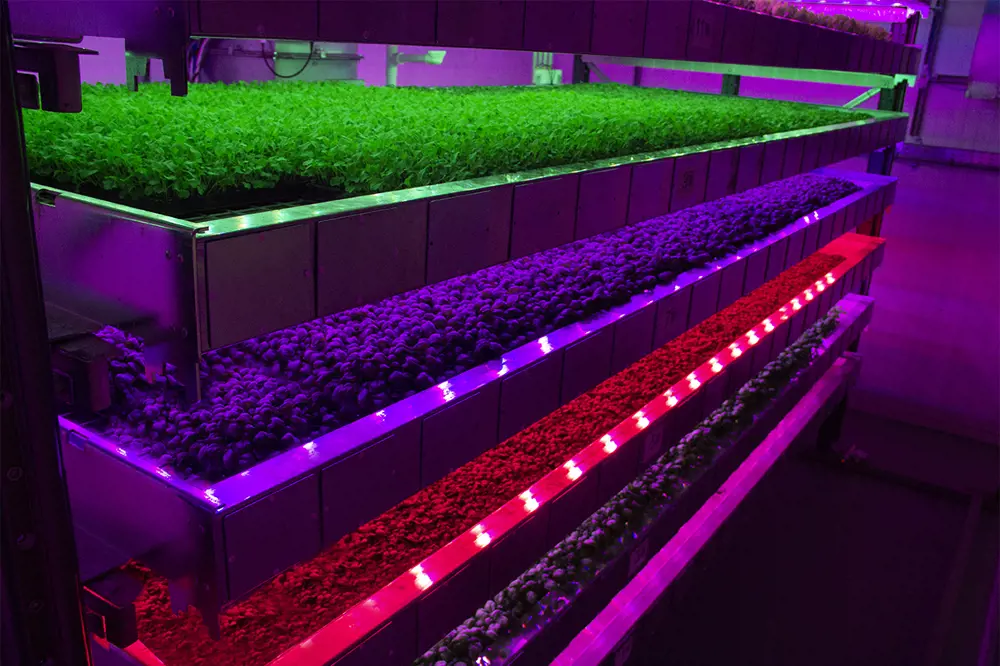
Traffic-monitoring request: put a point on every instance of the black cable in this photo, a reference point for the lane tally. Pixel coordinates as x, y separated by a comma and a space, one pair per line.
287, 76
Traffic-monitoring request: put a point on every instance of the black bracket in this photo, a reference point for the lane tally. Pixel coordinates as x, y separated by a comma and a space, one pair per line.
56, 68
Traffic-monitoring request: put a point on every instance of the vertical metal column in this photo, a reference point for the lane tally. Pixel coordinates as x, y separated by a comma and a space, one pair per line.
731, 84
41, 594
581, 72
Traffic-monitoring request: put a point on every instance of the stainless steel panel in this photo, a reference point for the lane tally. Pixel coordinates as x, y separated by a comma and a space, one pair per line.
382, 22
649, 193
619, 27
459, 432
514, 552
796, 247
288, 19
468, 232
811, 240
368, 483
451, 601
619, 470
738, 371
270, 535
704, 298
705, 32
762, 354
867, 55
365, 258
840, 148
856, 49
826, 228
587, 363
529, 394
776, 259
790, 37
811, 151
756, 270
142, 518
740, 34
259, 282
792, 164
544, 215
751, 164
723, 168
603, 201
826, 148
667, 29
560, 26
853, 141
671, 317
733, 277
774, 161
765, 46
393, 643
131, 273
484, 24
633, 339
572, 507
690, 176
651, 445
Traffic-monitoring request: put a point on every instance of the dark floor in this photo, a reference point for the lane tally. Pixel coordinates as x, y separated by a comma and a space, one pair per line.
826, 564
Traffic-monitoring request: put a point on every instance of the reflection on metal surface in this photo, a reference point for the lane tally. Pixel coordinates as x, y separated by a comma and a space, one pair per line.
613, 625
860, 79
336, 637
355, 204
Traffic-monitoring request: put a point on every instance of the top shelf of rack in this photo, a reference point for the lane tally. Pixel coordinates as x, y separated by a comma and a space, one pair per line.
688, 30
661, 29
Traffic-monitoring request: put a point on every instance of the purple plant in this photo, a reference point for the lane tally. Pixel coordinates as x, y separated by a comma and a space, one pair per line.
273, 392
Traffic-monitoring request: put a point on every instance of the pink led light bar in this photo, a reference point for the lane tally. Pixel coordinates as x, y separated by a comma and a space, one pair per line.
363, 619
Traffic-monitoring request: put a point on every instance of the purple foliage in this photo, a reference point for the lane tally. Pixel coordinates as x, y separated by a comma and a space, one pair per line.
270, 393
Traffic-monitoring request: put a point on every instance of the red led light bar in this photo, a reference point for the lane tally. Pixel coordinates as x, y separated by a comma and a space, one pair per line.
364, 618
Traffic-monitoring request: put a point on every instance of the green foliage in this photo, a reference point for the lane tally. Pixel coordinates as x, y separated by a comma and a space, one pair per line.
222, 139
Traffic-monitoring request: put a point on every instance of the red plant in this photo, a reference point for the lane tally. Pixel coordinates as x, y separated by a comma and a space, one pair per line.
301, 600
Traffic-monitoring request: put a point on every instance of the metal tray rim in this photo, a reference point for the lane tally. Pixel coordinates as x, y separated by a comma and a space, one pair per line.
288, 466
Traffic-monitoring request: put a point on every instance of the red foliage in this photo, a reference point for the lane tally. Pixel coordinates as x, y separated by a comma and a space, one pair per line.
303, 599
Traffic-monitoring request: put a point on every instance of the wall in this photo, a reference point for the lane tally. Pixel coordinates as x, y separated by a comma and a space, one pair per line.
969, 52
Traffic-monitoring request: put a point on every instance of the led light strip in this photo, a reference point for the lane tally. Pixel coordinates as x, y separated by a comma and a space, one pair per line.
359, 621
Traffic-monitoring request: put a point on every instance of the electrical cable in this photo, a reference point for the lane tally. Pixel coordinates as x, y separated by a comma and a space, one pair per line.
198, 59
287, 76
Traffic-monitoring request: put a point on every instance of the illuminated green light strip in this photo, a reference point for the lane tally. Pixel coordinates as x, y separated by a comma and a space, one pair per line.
862, 79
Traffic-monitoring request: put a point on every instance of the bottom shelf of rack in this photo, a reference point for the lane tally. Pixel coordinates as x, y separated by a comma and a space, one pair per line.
624, 630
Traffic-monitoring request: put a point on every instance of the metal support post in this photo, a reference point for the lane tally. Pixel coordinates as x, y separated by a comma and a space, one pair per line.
731, 84
39, 579
581, 72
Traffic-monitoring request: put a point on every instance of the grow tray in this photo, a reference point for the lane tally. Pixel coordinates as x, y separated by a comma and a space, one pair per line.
559, 616
208, 284
301, 500
452, 505
627, 625
400, 621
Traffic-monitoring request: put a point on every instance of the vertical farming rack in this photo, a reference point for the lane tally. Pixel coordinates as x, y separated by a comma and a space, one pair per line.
195, 288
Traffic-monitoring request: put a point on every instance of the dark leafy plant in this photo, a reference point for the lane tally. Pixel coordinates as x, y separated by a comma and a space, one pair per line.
556, 578
223, 140
271, 393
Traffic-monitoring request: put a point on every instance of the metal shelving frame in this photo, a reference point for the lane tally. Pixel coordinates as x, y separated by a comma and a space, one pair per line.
161, 30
